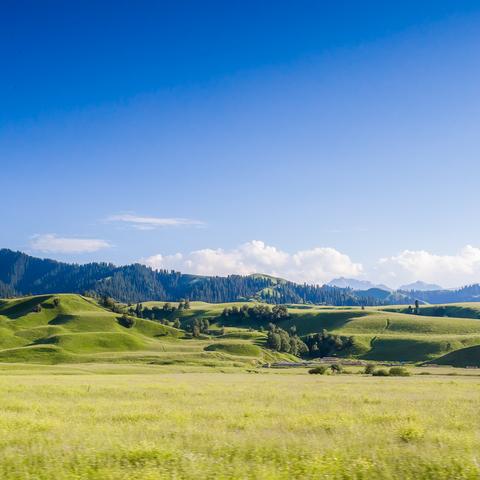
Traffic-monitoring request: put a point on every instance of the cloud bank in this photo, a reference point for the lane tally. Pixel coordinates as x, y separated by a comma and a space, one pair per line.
51, 243
322, 264
151, 223
317, 265
450, 270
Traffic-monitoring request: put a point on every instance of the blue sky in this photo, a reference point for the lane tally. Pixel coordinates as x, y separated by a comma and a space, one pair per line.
307, 139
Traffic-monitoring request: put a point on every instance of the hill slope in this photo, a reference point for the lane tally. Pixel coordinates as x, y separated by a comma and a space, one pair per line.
464, 357
72, 328
379, 334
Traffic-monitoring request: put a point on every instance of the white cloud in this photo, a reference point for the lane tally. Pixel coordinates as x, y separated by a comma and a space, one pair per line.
318, 265
150, 223
449, 270
51, 243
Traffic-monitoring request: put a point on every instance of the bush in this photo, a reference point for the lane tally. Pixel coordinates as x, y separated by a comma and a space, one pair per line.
399, 372
37, 308
410, 433
370, 369
126, 321
318, 370
336, 368
56, 301
381, 373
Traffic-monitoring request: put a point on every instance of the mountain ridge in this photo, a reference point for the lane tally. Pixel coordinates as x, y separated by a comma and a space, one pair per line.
22, 274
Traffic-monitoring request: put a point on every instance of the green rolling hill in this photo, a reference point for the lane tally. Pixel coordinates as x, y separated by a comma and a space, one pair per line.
380, 333
73, 328
76, 329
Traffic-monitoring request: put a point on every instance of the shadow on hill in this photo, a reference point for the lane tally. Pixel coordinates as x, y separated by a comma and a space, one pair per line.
314, 322
464, 357
409, 349
23, 307
53, 340
62, 319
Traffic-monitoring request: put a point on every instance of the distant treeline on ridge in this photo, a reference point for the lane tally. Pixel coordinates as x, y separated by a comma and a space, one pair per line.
22, 274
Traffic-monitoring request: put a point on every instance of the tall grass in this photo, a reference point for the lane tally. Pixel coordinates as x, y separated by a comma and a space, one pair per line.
245, 426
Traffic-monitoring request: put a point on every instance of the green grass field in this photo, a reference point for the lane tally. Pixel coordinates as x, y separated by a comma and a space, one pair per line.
84, 397
139, 422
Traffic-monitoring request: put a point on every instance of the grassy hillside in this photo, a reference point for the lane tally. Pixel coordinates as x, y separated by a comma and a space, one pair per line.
383, 333
72, 328
464, 357
458, 310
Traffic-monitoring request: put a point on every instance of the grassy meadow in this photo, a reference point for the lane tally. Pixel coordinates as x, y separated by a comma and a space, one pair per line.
142, 422
84, 397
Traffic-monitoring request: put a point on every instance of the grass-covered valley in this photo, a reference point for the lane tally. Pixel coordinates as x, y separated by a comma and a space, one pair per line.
93, 389
71, 328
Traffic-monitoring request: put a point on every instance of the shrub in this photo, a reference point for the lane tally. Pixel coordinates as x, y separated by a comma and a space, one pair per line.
322, 370
37, 308
410, 433
56, 301
126, 321
381, 373
399, 372
336, 368
370, 369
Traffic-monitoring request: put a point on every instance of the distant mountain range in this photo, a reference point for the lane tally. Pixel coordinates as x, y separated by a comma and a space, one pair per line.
355, 284
22, 274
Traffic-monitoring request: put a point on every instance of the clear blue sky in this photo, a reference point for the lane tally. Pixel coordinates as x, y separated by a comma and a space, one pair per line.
341, 124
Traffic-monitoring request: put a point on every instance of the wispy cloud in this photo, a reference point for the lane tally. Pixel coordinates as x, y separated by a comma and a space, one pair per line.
51, 243
150, 223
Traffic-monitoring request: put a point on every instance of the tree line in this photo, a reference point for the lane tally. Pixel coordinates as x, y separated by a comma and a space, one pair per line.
325, 344
257, 313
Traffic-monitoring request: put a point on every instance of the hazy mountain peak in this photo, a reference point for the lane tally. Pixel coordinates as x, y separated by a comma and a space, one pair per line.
420, 286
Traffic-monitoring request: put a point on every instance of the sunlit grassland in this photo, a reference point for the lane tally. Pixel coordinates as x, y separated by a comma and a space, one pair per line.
55, 423
74, 329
